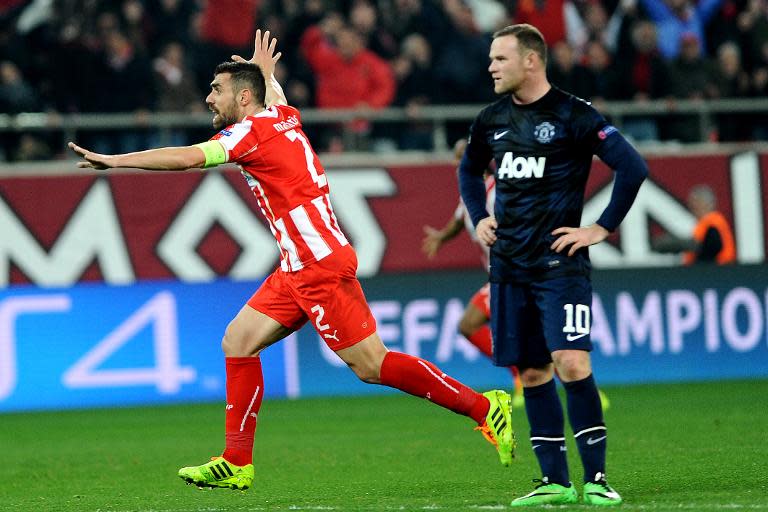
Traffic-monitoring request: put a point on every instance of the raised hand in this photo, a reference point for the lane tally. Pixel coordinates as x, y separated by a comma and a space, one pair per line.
264, 54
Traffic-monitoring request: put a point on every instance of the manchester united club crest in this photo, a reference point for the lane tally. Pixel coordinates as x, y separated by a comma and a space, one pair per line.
544, 132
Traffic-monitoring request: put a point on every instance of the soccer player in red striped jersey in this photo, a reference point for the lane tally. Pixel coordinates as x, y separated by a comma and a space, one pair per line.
316, 280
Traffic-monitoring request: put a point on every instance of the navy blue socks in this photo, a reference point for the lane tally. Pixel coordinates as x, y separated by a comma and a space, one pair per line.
545, 414
586, 417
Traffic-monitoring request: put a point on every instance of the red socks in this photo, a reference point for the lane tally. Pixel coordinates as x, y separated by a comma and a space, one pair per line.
245, 391
421, 378
481, 339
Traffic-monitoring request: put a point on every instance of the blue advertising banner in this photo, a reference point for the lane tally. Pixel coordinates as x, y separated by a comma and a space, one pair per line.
95, 345
100, 345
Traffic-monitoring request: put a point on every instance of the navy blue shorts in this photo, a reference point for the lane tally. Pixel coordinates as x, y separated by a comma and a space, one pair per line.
530, 321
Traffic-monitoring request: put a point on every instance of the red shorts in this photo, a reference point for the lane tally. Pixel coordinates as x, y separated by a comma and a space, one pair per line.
482, 300
326, 292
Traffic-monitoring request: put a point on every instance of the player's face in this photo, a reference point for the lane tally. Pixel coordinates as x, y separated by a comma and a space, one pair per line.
507, 65
222, 101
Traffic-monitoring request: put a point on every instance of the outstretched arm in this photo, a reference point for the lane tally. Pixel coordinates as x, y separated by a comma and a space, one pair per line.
161, 159
435, 238
265, 57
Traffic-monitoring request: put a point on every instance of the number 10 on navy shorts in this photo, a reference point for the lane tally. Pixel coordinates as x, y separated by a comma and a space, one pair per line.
531, 320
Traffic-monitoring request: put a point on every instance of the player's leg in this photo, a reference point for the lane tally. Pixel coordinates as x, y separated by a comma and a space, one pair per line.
333, 299
473, 325
518, 339
566, 309
250, 332
374, 364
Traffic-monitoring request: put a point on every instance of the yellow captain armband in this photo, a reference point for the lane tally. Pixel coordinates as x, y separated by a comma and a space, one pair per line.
214, 151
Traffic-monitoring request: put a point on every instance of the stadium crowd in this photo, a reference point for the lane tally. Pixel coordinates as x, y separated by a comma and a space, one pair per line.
141, 56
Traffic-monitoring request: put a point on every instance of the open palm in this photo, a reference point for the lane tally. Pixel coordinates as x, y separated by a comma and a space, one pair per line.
264, 54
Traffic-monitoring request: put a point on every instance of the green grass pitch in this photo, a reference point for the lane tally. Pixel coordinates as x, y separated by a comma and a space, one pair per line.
674, 447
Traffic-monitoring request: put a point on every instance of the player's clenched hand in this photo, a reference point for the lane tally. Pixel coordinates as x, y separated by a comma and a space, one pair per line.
486, 230
263, 53
92, 160
577, 238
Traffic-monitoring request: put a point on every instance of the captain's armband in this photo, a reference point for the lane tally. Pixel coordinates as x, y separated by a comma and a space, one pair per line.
214, 151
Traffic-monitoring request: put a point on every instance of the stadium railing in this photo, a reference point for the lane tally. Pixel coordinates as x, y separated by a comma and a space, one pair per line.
436, 116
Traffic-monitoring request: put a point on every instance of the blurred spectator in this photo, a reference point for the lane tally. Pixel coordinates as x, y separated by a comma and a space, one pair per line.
348, 74
138, 24
16, 95
122, 82
731, 81
645, 77
546, 15
677, 18
31, 148
222, 28
461, 63
413, 71
588, 21
691, 77
753, 24
712, 239
599, 78
425, 17
692, 74
646, 71
171, 20
561, 66
229, 23
753, 27
176, 91
123, 79
365, 19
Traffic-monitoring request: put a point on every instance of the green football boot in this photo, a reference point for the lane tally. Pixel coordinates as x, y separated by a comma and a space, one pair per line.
497, 428
219, 473
548, 494
600, 493
604, 402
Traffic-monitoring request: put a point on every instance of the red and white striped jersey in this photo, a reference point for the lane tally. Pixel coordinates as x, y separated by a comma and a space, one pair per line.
289, 183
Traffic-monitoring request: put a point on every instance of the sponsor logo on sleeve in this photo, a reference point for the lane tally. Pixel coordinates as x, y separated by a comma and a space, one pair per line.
605, 132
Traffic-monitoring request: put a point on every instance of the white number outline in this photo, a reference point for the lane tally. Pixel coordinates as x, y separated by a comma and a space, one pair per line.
318, 178
582, 318
320, 312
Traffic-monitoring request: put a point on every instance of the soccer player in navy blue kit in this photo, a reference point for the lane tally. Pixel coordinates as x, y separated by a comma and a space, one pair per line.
542, 140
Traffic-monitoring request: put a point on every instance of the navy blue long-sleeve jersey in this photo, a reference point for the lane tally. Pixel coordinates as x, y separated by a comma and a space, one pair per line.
543, 153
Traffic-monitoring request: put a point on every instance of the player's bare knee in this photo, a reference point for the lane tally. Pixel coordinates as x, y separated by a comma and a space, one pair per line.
572, 365
237, 341
531, 377
229, 343
368, 373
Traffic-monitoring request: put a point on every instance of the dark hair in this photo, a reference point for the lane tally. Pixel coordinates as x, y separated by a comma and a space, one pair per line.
244, 76
528, 37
